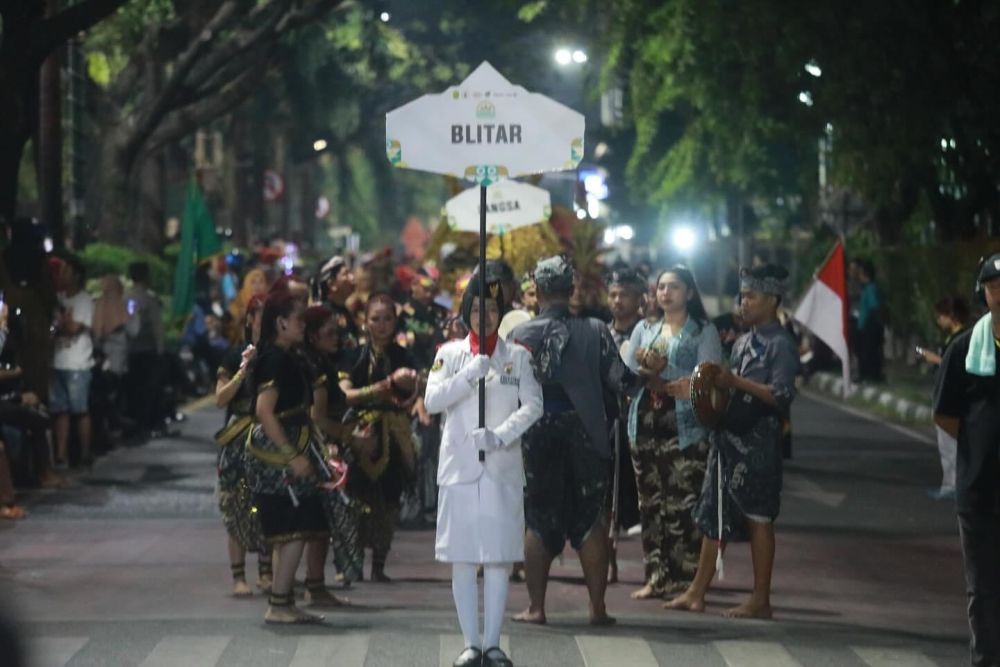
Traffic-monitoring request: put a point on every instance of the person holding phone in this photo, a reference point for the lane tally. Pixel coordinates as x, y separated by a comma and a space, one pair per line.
951, 314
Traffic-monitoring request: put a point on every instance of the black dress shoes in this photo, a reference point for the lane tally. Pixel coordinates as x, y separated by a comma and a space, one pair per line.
470, 657
494, 657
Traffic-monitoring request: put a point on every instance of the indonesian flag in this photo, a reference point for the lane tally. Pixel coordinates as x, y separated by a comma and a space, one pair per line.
823, 309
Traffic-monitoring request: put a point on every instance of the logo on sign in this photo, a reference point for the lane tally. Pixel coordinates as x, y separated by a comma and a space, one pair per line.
486, 110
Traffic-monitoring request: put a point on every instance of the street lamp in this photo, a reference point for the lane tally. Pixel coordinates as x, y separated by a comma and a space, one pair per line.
563, 56
579, 57
806, 98
813, 69
684, 239
319, 145
384, 17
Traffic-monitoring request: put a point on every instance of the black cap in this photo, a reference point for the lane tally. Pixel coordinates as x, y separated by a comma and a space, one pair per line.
990, 268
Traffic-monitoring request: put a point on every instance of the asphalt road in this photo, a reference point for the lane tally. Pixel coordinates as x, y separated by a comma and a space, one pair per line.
129, 568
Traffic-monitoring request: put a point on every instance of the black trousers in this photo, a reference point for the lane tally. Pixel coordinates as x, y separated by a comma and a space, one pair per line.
981, 552
144, 386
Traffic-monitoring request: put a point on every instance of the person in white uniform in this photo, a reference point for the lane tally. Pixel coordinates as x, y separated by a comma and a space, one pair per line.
480, 470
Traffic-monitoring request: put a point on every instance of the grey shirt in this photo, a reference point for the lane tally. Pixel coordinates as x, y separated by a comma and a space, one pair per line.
149, 312
579, 355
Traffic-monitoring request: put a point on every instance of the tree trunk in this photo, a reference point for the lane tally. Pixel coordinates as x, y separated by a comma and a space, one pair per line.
149, 223
50, 171
111, 192
11, 150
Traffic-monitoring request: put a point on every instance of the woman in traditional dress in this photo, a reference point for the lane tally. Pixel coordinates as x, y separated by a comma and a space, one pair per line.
283, 455
669, 446
480, 470
380, 384
328, 408
232, 392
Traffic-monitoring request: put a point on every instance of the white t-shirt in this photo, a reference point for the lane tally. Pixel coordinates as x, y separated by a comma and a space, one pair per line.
76, 353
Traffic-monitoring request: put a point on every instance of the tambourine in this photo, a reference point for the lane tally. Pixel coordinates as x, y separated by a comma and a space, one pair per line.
709, 401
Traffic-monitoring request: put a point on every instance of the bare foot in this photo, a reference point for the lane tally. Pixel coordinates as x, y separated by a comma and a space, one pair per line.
241, 589
529, 616
686, 601
602, 620
644, 593
380, 577
264, 583
12, 512
322, 598
290, 615
749, 609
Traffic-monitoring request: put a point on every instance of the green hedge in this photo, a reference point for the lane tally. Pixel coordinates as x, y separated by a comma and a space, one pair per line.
104, 258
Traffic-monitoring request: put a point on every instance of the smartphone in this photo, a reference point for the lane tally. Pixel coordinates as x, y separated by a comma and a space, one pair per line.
131, 306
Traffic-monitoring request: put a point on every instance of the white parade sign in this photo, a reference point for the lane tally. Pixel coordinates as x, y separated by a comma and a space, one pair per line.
508, 206
485, 129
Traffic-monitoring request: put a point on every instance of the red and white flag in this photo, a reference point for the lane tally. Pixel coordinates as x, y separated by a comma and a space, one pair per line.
823, 309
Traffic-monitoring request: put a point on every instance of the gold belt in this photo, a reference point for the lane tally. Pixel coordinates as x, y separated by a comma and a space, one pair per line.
286, 453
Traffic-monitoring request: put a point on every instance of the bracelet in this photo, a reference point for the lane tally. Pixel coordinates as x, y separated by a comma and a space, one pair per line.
238, 376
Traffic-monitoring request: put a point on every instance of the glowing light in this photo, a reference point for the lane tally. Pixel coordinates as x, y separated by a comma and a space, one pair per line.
563, 56
806, 98
319, 145
579, 57
581, 213
626, 233
593, 207
609, 236
812, 68
684, 238
384, 17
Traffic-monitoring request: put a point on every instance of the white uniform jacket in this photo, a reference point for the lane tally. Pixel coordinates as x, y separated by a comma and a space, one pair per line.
513, 403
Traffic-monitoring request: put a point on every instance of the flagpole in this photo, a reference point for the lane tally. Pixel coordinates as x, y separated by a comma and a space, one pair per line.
482, 306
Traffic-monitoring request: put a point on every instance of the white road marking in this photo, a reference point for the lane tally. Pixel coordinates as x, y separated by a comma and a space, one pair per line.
54, 651
891, 657
196, 651
908, 432
601, 651
755, 654
335, 650
800, 486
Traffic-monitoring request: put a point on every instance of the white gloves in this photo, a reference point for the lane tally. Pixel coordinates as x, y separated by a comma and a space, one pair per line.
475, 369
486, 440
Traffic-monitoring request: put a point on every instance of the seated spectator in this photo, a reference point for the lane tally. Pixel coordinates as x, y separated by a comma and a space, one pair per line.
23, 419
72, 363
8, 508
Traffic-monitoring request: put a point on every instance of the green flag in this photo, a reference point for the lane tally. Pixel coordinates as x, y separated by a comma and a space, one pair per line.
198, 241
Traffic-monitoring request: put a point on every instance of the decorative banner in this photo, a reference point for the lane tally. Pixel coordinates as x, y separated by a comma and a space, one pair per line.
485, 129
508, 206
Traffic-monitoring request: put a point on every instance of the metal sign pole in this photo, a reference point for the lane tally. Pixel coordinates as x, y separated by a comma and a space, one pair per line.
482, 306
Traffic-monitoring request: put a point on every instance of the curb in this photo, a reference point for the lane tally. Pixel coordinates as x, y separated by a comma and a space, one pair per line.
880, 400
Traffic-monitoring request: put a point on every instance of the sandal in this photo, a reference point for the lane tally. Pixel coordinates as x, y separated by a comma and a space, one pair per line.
12, 512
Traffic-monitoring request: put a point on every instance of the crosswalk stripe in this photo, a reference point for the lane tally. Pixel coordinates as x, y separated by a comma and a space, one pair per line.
339, 650
891, 657
192, 650
54, 651
599, 651
755, 654
452, 645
